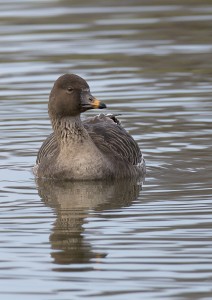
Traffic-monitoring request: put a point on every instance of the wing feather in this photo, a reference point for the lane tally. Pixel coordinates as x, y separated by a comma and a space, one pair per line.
48, 148
109, 136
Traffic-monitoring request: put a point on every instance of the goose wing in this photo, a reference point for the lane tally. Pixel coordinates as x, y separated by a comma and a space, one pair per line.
112, 139
48, 148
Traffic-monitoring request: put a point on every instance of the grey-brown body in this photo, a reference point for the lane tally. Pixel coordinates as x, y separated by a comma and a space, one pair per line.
97, 148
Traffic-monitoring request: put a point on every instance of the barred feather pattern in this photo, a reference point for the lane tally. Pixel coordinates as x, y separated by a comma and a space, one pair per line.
107, 134
48, 148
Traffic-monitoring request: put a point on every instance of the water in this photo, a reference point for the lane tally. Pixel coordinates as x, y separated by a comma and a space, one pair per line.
151, 62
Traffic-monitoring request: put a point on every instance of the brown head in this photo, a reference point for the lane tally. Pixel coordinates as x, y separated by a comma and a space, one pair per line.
71, 96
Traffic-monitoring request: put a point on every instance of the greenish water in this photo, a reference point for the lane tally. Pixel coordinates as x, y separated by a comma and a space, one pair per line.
149, 61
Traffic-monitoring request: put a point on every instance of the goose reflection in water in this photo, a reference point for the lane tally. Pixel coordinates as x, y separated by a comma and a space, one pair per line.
73, 201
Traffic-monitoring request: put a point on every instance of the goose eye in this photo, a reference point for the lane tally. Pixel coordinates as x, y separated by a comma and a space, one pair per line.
70, 89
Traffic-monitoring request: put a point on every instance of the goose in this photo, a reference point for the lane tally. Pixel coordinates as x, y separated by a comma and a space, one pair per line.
97, 148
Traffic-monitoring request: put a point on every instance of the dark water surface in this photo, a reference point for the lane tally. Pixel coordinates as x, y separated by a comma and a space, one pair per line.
151, 62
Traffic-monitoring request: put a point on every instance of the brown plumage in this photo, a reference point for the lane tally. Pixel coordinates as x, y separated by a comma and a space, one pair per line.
97, 148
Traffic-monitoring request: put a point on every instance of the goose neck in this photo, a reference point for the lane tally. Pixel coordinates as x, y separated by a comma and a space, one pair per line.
69, 129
